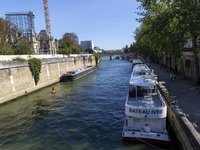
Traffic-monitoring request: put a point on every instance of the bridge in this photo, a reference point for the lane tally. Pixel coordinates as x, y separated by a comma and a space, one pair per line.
110, 54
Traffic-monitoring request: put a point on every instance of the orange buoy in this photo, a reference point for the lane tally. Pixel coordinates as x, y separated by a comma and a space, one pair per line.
53, 91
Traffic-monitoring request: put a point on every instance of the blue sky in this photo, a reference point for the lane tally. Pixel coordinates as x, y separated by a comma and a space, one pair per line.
109, 23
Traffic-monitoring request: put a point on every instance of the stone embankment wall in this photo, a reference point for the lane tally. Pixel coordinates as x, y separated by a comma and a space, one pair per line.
183, 129
187, 65
16, 78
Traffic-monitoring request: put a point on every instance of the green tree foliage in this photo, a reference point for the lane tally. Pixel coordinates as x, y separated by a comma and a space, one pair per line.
76, 49
64, 48
188, 15
89, 50
71, 37
133, 48
2, 29
35, 67
90, 59
22, 47
166, 27
5, 48
6, 44
69, 44
126, 49
97, 58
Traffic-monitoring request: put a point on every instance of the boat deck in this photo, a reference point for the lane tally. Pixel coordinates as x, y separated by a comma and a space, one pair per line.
145, 101
76, 74
79, 70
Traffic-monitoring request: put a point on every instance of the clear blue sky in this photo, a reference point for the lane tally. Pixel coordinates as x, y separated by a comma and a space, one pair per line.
109, 23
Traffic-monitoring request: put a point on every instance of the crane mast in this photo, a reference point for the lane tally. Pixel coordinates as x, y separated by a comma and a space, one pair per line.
47, 20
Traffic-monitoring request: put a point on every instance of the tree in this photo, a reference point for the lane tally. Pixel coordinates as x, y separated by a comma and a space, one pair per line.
71, 37
189, 16
133, 48
126, 49
6, 40
5, 48
76, 49
89, 50
143, 42
2, 28
169, 26
64, 48
22, 47
69, 44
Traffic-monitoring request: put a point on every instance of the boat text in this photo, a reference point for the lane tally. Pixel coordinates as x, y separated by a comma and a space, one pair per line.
145, 111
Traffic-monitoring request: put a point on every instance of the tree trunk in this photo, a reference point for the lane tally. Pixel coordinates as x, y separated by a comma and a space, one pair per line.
196, 72
183, 69
176, 69
196, 60
170, 62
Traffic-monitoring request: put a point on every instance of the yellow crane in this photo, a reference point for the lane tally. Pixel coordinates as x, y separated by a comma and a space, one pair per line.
47, 20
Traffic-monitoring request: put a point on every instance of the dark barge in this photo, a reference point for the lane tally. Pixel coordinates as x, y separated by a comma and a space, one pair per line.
76, 74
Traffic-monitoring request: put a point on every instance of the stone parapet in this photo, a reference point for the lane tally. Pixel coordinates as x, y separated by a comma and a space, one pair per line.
182, 127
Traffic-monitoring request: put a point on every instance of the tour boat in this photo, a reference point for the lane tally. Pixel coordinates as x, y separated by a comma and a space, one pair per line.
136, 61
145, 109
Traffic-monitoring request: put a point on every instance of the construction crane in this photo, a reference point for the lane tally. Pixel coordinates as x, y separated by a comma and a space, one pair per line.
47, 20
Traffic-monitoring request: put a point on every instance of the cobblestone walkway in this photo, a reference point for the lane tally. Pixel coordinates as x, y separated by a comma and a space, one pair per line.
186, 95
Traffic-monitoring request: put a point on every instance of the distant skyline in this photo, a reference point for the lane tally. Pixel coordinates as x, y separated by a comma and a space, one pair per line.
108, 23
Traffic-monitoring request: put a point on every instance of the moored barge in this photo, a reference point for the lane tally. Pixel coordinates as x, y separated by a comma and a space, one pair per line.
76, 74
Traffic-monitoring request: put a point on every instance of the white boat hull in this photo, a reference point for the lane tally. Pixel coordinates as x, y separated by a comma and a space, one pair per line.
150, 137
145, 109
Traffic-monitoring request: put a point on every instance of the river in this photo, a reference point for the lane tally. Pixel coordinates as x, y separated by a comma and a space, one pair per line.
86, 114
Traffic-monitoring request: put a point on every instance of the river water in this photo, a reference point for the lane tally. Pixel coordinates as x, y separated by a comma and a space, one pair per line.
86, 114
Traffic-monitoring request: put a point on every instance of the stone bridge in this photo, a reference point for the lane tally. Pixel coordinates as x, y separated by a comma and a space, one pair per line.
110, 54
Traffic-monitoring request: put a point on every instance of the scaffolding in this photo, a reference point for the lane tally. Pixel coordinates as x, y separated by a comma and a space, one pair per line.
24, 21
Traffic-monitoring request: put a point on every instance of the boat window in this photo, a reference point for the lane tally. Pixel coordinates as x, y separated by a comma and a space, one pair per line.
140, 91
151, 90
132, 91
145, 90
142, 73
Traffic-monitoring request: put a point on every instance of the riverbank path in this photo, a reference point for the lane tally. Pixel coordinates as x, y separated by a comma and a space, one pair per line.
186, 95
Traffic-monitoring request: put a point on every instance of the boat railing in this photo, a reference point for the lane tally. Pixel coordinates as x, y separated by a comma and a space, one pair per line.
161, 99
79, 70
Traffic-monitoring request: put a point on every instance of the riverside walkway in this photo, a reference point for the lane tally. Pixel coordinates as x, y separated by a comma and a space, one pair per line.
186, 95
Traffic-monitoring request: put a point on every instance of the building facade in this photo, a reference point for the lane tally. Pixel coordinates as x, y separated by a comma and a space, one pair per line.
48, 45
87, 44
97, 49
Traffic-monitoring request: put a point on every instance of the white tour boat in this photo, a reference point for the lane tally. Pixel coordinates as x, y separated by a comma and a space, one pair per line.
145, 109
136, 61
